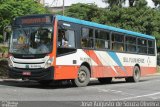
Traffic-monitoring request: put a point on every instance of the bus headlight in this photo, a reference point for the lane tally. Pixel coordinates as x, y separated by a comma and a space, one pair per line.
49, 62
10, 63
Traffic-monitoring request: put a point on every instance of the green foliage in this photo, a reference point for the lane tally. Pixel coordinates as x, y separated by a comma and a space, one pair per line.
3, 49
1, 38
114, 2
9, 9
156, 2
139, 18
141, 3
4, 68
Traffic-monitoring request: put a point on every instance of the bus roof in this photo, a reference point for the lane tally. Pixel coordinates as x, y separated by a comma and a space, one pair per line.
93, 24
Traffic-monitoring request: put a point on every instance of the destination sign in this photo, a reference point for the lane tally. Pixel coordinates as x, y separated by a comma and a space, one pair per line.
33, 20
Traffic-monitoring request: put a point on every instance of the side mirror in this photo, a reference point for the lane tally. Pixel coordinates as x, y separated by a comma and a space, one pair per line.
6, 30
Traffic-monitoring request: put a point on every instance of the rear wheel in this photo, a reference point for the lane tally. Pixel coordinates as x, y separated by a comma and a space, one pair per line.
105, 80
136, 75
45, 82
83, 77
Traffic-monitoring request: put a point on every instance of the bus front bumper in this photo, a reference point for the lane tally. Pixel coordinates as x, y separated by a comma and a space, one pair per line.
32, 74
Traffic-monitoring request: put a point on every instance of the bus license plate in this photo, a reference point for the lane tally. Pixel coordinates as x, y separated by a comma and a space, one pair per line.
26, 73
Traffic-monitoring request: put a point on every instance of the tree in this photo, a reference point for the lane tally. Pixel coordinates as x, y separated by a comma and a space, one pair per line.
156, 2
9, 9
131, 2
114, 2
139, 18
85, 12
141, 3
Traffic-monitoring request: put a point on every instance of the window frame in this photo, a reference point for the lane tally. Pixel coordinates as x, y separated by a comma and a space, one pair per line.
109, 41
142, 46
91, 48
126, 44
154, 41
118, 33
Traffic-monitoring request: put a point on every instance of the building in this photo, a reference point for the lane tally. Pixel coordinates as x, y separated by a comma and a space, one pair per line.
57, 9
41, 1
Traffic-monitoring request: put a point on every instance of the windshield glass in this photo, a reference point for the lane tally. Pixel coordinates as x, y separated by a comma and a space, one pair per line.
31, 40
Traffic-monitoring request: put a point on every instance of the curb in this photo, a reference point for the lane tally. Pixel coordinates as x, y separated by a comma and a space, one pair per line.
156, 74
10, 79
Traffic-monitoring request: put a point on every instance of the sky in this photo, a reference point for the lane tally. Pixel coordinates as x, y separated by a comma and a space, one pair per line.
97, 2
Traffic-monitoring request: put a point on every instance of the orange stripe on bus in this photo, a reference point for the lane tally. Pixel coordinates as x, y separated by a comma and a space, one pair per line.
53, 54
107, 71
93, 55
70, 72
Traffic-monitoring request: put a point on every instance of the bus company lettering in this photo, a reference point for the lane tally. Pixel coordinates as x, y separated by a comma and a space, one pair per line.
85, 59
133, 60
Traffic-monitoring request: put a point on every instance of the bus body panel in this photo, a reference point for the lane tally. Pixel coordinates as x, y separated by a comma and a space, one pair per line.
104, 64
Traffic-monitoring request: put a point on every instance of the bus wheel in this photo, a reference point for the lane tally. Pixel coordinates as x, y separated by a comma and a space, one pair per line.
105, 80
136, 75
83, 77
45, 82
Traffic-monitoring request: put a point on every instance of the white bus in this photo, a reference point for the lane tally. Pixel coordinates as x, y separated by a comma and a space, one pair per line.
55, 47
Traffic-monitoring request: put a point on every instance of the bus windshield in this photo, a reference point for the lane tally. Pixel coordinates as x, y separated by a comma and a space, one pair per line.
31, 40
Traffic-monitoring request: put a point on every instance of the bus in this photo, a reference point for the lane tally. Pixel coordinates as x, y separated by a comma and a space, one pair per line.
49, 47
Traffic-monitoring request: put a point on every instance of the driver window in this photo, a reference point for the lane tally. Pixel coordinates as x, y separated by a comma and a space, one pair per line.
66, 38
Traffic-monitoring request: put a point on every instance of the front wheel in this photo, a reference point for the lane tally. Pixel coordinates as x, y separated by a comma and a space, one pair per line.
83, 77
136, 75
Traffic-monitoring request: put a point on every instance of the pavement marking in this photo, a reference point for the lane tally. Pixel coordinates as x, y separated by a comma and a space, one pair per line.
114, 91
147, 95
155, 97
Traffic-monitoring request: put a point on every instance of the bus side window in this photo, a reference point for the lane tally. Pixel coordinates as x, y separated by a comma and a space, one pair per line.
142, 45
102, 39
117, 42
151, 47
130, 44
87, 38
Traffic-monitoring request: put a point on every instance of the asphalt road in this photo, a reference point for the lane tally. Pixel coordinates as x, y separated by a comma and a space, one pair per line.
148, 89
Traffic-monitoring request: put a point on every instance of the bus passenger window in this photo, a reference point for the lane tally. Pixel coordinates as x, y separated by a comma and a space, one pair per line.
151, 47
87, 38
142, 46
102, 39
86, 42
130, 44
117, 42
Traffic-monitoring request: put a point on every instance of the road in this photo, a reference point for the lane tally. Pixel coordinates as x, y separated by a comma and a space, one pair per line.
147, 89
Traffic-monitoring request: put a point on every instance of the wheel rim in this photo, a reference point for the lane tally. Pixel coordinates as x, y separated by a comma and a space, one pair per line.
82, 76
136, 73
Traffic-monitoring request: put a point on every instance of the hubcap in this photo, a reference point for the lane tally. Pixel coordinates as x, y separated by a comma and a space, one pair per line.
82, 76
137, 73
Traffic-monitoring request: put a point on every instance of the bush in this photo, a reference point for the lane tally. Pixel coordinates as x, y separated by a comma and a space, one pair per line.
3, 68
3, 49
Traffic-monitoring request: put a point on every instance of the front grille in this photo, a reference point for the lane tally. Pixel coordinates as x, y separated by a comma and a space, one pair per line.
29, 63
27, 69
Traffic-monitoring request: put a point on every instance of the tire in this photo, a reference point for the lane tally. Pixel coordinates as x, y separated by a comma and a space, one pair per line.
45, 82
83, 77
105, 80
136, 75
